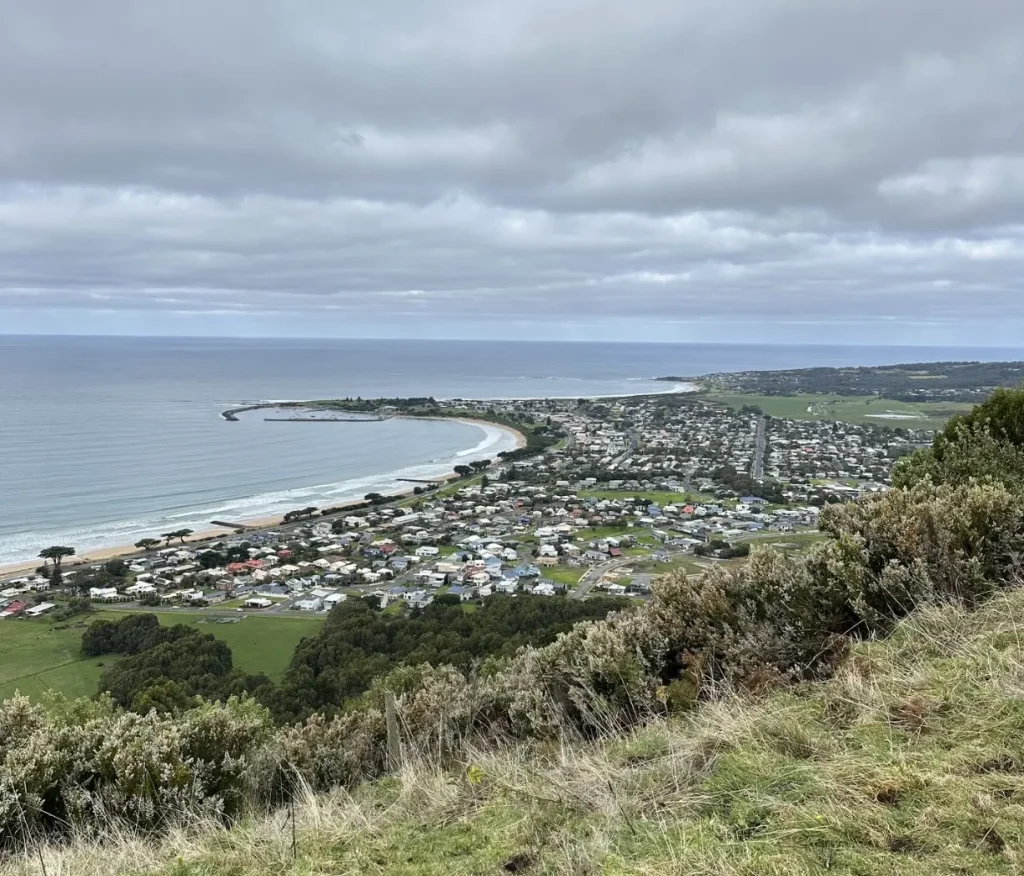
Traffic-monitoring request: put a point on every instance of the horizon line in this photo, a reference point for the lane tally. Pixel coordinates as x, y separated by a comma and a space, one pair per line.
492, 340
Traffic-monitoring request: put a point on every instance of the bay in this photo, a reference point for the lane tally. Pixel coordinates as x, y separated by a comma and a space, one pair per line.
106, 440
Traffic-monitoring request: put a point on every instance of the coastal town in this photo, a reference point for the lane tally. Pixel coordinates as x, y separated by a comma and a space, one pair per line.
617, 492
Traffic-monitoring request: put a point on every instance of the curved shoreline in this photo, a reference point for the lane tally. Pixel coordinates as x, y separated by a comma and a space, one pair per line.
101, 554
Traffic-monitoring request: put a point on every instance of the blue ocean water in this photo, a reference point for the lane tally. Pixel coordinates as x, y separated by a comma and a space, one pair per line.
106, 440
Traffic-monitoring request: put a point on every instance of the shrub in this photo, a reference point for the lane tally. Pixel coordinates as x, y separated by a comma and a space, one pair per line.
91, 763
986, 444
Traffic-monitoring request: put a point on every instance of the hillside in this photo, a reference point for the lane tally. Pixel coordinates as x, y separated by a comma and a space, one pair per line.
910, 760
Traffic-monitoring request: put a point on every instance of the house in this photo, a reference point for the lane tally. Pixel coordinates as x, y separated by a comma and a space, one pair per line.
12, 610
465, 594
103, 593
37, 610
311, 604
258, 602
419, 598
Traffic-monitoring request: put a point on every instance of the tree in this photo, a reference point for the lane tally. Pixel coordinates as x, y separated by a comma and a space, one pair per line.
463, 470
986, 444
180, 534
147, 544
56, 553
480, 464
300, 513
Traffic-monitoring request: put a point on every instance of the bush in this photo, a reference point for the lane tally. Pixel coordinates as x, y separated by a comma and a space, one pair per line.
90, 763
986, 444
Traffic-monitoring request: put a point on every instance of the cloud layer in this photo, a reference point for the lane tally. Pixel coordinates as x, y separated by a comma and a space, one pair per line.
543, 161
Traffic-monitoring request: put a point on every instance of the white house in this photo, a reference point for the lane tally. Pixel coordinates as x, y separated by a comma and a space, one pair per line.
258, 602
314, 604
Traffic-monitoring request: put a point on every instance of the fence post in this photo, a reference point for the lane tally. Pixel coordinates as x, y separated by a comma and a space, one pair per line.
394, 744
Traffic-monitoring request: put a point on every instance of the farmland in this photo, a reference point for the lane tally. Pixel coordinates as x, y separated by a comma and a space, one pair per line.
860, 410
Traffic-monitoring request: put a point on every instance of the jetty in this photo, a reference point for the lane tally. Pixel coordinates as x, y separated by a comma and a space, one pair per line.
232, 413
238, 527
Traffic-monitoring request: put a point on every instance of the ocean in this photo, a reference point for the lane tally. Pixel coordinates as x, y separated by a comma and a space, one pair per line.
104, 441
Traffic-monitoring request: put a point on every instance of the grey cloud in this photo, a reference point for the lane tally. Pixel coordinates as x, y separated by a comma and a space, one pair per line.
783, 158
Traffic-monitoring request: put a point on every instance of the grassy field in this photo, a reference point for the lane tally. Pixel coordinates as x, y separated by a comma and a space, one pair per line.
688, 564
259, 643
37, 656
860, 410
909, 761
569, 575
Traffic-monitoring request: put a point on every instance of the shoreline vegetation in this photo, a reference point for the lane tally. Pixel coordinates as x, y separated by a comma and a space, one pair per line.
214, 533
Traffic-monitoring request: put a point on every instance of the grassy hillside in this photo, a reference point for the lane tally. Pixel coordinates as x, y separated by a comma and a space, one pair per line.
910, 760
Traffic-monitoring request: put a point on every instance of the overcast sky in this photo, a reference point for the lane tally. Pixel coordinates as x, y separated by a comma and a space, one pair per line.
783, 170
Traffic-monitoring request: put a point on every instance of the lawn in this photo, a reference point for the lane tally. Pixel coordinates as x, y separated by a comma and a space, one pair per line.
688, 565
37, 655
259, 643
568, 575
860, 410
599, 532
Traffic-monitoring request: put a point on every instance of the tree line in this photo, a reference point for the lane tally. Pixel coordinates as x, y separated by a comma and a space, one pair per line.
167, 668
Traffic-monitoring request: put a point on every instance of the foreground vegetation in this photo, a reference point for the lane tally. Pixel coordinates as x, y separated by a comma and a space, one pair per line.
910, 760
167, 667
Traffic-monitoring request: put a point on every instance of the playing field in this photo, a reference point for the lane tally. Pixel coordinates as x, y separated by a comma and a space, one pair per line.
37, 656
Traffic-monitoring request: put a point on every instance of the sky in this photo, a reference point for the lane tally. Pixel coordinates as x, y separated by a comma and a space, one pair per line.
847, 171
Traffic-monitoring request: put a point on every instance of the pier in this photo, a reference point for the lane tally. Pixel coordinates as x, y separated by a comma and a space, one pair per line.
238, 527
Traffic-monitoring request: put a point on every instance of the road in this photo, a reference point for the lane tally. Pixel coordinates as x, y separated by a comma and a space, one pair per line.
757, 469
634, 443
595, 574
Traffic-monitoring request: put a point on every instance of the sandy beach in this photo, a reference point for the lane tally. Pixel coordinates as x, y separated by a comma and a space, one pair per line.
99, 555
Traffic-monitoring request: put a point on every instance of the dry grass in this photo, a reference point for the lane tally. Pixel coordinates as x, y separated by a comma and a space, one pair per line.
911, 760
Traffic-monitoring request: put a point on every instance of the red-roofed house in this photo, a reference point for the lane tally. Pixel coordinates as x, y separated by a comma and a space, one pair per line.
13, 609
